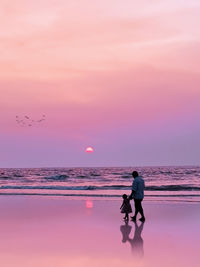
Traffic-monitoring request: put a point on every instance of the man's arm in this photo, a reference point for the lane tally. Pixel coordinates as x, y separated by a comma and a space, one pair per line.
132, 194
134, 189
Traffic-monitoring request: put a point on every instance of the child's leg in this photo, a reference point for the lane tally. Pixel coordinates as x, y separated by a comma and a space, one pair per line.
125, 217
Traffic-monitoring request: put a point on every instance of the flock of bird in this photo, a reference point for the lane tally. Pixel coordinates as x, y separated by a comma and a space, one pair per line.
26, 121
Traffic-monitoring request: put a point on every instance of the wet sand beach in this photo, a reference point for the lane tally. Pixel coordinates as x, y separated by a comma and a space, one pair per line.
56, 231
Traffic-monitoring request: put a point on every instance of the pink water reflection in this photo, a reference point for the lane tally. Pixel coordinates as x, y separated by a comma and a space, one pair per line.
51, 232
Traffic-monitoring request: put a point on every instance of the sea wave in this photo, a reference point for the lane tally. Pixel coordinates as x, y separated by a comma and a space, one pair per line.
5, 177
57, 177
105, 187
172, 188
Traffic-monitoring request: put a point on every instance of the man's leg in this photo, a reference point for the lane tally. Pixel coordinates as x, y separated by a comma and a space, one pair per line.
140, 209
136, 209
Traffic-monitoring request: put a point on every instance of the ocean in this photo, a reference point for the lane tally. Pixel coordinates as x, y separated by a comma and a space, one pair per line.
161, 183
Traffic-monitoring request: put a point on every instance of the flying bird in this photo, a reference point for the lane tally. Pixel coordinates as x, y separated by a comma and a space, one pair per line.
28, 121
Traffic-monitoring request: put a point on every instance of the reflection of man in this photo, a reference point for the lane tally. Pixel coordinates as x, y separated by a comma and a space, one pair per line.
136, 242
137, 194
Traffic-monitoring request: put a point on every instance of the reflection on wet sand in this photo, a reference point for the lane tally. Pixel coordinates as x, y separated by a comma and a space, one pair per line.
136, 242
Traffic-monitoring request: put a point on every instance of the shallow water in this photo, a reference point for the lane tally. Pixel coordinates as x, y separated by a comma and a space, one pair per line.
55, 231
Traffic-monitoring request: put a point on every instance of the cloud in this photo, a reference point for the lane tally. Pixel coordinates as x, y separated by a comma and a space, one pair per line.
99, 70
51, 40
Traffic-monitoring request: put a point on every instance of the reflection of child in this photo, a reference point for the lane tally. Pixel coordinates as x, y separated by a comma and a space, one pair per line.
126, 206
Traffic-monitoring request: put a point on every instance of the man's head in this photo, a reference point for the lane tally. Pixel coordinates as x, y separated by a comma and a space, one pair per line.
135, 174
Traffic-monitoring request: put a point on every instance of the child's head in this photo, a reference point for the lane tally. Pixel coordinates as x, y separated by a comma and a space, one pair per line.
124, 196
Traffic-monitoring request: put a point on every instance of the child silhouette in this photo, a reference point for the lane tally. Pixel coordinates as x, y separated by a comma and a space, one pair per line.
126, 207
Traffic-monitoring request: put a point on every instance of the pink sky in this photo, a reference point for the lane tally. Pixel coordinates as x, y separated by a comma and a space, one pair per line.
122, 77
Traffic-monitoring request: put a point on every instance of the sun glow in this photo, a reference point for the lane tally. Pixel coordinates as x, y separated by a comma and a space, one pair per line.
89, 204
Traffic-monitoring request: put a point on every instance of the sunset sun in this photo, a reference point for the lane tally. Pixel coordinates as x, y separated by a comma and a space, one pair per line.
89, 149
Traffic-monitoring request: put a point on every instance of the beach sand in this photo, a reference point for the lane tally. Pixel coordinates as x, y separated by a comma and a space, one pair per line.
43, 231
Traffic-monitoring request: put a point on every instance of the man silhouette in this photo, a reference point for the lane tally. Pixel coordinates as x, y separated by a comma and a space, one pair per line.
137, 194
